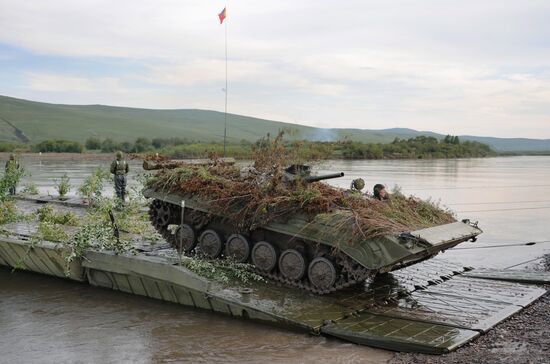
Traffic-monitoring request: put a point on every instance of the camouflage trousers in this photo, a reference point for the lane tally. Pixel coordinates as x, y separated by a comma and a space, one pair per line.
120, 186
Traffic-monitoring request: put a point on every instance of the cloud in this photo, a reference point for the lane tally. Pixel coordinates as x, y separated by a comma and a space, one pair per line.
465, 68
63, 83
260, 73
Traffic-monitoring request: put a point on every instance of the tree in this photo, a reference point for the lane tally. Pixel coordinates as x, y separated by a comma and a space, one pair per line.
93, 143
59, 146
126, 147
159, 142
142, 145
108, 146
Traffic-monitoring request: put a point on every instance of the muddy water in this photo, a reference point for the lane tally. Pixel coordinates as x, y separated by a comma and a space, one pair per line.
44, 319
47, 320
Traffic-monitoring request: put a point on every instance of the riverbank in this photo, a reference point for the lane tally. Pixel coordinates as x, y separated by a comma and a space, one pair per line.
524, 338
99, 156
420, 147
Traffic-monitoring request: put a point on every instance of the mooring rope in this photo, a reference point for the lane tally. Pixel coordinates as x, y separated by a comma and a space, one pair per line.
510, 209
527, 261
529, 243
495, 202
471, 187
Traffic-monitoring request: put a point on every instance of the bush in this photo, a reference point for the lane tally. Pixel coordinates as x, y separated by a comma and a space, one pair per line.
109, 146
50, 231
142, 145
9, 179
92, 186
58, 146
93, 144
8, 212
63, 186
10, 147
30, 189
47, 214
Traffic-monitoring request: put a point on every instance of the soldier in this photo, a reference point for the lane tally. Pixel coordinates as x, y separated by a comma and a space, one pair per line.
380, 192
120, 168
12, 167
357, 185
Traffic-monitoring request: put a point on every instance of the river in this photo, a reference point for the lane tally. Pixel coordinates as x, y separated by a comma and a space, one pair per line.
45, 319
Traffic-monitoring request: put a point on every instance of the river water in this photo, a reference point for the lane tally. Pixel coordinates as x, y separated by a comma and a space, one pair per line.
45, 319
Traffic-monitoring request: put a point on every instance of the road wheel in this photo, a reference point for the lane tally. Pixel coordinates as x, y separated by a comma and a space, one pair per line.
292, 264
237, 248
185, 238
210, 244
264, 256
322, 273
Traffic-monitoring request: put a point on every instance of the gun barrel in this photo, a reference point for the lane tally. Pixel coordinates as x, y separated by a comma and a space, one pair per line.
323, 176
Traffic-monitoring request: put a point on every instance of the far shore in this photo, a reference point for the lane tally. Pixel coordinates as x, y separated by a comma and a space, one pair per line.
130, 156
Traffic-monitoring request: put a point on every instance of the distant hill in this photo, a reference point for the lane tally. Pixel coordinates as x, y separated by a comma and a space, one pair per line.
22, 120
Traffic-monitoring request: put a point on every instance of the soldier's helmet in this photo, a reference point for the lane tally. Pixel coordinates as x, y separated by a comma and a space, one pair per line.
119, 155
12, 156
358, 184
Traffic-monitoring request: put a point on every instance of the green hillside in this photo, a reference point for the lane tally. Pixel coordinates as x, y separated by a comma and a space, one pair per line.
37, 121
41, 121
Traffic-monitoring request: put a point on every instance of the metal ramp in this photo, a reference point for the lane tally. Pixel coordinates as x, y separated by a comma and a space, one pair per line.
400, 334
437, 319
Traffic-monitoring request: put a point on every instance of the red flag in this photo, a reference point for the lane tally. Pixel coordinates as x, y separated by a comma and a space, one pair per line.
222, 15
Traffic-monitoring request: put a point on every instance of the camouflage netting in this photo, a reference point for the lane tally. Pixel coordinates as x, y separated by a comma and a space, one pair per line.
255, 198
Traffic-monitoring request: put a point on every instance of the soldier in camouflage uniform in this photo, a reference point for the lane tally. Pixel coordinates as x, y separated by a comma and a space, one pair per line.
12, 167
380, 192
119, 168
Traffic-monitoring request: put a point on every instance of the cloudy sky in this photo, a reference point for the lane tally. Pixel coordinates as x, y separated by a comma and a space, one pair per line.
460, 67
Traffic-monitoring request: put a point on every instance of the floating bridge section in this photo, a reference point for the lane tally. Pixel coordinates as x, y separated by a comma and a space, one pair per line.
432, 307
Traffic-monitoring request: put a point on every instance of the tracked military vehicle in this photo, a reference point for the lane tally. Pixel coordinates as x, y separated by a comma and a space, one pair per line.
316, 252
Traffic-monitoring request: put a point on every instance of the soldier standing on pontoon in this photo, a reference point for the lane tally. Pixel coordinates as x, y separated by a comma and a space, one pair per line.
119, 168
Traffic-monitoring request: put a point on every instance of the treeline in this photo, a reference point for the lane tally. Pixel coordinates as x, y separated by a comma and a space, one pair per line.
46, 146
174, 147
58, 146
421, 147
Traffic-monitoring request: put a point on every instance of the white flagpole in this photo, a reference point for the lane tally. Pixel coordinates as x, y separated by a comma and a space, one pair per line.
225, 115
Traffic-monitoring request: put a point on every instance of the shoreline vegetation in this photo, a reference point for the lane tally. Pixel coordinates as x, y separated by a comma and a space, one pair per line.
420, 147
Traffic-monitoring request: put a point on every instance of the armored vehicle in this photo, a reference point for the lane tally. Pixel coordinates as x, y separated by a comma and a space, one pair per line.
320, 250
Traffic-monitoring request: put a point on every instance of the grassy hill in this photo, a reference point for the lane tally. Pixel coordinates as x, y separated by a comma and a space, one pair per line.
37, 121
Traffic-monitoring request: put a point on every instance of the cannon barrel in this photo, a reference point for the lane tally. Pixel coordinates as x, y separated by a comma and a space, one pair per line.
323, 176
